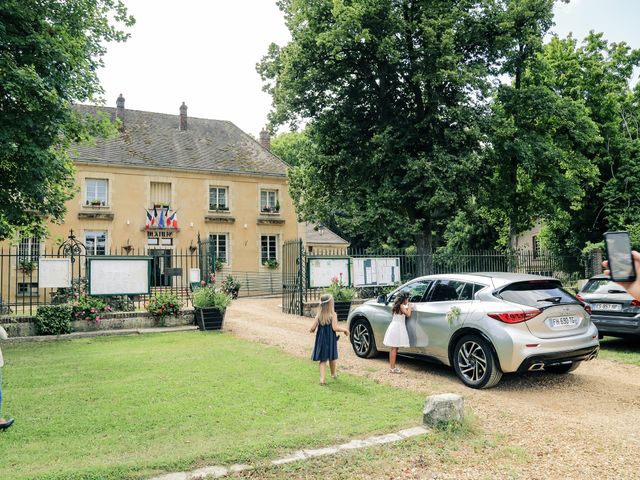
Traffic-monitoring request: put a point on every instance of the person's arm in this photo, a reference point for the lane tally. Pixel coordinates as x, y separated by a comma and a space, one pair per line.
314, 326
337, 328
632, 287
406, 309
3, 334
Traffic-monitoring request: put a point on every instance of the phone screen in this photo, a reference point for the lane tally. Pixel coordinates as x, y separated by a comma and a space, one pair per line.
619, 255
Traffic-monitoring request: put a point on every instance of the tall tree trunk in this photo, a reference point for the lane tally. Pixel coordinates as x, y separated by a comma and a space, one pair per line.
424, 245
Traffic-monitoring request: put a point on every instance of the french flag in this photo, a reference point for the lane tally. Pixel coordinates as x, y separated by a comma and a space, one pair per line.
155, 215
149, 221
173, 220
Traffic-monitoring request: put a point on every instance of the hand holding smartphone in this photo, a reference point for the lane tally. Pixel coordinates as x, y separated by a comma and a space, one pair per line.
621, 264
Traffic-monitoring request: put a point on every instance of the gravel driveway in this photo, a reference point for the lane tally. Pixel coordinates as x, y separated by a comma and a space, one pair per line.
582, 425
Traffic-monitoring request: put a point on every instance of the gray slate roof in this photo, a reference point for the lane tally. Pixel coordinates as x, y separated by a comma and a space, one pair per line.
153, 140
327, 237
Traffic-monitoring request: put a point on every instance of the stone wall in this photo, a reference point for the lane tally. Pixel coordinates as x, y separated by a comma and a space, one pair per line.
309, 309
25, 326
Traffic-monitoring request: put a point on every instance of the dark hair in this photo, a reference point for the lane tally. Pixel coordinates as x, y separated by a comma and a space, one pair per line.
400, 298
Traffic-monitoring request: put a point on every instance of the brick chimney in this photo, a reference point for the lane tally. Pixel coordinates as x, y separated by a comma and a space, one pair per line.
265, 139
183, 116
120, 108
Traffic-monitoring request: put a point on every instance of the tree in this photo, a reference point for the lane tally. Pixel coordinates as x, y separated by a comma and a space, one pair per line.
598, 74
50, 52
393, 94
291, 147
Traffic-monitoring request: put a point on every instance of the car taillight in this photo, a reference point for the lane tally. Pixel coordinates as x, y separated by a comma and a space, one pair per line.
635, 303
515, 317
579, 297
587, 308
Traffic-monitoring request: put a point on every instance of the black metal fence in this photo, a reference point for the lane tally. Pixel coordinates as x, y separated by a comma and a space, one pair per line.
20, 294
568, 269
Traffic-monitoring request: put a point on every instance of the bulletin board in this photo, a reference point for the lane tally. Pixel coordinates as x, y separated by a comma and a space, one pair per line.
320, 271
54, 272
378, 271
119, 275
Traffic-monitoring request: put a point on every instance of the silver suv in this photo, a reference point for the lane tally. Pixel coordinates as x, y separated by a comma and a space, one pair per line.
484, 325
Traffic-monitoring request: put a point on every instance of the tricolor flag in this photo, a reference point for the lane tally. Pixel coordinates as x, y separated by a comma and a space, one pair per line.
155, 215
161, 221
149, 221
173, 220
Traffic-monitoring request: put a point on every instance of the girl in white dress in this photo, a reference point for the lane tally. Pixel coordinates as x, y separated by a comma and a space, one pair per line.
396, 335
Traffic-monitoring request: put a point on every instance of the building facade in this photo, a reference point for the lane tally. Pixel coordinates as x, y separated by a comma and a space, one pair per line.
163, 182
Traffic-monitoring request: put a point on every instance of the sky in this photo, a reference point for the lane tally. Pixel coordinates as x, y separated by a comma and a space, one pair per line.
204, 52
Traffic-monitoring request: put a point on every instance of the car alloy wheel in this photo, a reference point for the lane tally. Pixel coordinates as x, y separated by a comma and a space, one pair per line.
362, 339
472, 361
475, 364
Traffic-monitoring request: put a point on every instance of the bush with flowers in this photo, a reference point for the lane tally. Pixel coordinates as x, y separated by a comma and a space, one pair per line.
339, 291
89, 309
163, 305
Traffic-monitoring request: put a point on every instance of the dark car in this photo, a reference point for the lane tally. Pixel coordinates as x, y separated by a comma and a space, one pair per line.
614, 311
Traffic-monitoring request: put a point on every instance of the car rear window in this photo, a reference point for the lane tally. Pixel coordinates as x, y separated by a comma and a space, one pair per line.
601, 285
536, 294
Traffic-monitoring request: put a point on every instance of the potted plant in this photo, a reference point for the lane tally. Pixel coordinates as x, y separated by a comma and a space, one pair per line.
271, 263
342, 296
96, 203
210, 306
277, 207
219, 264
231, 286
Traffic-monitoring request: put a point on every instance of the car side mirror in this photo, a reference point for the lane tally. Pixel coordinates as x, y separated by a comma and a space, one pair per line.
382, 299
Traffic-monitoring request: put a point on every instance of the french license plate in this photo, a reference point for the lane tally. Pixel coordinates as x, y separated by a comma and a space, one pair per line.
564, 322
607, 307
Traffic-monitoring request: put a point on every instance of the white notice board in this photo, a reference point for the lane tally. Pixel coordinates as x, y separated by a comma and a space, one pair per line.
376, 271
194, 275
119, 275
321, 270
54, 273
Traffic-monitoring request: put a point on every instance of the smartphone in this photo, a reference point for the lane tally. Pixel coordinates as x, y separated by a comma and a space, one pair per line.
618, 247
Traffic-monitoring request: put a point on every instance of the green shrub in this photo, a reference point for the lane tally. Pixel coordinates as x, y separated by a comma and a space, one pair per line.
209, 297
163, 305
339, 291
89, 309
120, 303
54, 319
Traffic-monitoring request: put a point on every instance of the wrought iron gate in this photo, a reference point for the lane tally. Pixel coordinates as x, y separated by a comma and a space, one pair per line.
293, 277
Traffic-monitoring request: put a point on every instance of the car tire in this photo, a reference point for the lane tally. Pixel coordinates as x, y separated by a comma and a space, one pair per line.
561, 369
475, 363
362, 340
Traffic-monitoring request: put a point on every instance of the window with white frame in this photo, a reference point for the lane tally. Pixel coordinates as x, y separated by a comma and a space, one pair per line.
97, 191
269, 248
27, 288
29, 249
218, 198
218, 246
96, 242
269, 201
160, 193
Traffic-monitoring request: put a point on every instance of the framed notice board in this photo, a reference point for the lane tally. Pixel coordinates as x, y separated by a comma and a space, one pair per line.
130, 275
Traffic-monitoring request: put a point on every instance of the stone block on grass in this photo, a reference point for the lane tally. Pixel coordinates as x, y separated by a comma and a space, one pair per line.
440, 410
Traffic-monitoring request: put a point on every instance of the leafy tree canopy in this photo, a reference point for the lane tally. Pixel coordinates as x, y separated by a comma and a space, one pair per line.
50, 51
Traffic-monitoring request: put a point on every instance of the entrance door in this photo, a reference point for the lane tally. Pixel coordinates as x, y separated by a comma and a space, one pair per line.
160, 261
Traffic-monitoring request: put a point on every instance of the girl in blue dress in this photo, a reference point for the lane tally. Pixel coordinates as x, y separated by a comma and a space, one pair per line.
326, 346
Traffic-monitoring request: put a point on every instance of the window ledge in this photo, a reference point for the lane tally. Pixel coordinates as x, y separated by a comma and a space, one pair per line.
96, 215
269, 213
220, 212
217, 219
271, 221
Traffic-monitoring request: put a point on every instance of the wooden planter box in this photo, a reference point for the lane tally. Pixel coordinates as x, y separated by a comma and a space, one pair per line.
342, 310
209, 318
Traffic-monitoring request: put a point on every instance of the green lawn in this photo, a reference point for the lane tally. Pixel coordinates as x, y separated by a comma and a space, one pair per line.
131, 407
620, 350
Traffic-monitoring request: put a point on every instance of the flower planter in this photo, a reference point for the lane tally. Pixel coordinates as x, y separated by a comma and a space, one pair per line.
209, 318
342, 309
